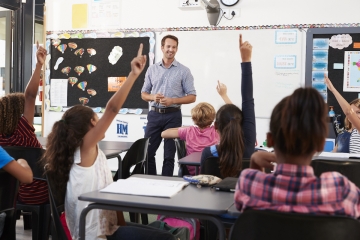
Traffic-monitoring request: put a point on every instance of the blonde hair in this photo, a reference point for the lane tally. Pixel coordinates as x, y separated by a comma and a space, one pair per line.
203, 114
11, 110
347, 123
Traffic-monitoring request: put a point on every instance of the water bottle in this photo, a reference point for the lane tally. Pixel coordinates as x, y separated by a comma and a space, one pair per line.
331, 112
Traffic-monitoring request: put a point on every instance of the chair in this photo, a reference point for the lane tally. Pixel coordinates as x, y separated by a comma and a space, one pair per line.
181, 152
211, 166
8, 194
57, 230
41, 217
350, 169
264, 224
135, 157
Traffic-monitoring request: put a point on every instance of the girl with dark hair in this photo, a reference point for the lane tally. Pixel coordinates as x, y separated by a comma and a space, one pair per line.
16, 129
298, 128
236, 128
76, 164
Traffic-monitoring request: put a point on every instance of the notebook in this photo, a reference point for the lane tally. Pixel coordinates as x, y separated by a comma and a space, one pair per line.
227, 184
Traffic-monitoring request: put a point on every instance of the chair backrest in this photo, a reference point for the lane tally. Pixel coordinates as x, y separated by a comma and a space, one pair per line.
9, 186
350, 169
180, 147
211, 166
57, 229
31, 155
263, 224
136, 155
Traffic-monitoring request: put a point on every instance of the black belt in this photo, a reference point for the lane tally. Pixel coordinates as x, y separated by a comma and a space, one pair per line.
165, 110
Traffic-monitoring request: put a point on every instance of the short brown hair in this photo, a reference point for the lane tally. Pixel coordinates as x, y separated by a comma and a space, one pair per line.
11, 110
298, 123
203, 114
347, 123
171, 37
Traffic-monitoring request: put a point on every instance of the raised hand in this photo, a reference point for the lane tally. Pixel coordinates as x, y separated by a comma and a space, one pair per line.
221, 88
139, 62
41, 55
329, 83
245, 50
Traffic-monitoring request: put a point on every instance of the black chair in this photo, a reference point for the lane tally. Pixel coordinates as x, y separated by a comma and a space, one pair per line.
264, 224
8, 194
350, 169
56, 206
181, 152
135, 159
211, 166
40, 214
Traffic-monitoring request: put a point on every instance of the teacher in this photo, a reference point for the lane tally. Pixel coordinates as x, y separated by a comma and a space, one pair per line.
168, 84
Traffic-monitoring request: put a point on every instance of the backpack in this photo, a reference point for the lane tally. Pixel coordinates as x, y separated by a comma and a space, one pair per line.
192, 224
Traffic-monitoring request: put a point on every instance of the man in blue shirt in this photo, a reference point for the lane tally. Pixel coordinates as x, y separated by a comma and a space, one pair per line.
168, 84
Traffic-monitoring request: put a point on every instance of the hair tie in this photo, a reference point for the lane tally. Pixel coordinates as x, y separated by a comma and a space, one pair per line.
232, 118
62, 120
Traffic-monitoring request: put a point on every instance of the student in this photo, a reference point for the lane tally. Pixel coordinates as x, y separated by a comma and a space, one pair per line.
19, 169
235, 127
16, 129
349, 140
203, 134
76, 164
298, 128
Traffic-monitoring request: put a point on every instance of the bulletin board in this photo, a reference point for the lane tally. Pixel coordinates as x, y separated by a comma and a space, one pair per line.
336, 52
89, 71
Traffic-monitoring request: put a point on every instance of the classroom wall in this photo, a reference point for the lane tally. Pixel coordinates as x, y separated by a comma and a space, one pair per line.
166, 14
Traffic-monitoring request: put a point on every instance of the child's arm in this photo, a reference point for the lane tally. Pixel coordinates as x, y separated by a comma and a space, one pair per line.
170, 133
33, 86
222, 90
345, 106
20, 170
95, 134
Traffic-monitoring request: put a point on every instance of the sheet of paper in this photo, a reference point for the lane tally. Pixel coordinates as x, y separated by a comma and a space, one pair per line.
58, 92
79, 16
146, 187
334, 155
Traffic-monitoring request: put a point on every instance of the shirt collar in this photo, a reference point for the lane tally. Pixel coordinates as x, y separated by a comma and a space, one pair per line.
174, 63
294, 170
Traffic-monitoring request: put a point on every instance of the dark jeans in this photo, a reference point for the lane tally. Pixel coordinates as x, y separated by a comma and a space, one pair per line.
158, 122
134, 231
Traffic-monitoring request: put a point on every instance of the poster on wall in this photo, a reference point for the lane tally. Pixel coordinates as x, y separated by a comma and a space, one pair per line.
351, 71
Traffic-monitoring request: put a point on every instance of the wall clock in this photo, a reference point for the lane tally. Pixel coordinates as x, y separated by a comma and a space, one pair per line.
229, 3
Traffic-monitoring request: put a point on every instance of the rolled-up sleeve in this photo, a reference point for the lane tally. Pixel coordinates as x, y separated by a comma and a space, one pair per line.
188, 83
147, 83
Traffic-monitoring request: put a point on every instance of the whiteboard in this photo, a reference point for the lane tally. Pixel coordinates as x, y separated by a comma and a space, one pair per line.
214, 55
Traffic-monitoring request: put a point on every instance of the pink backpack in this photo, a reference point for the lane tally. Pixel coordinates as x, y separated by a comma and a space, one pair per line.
192, 224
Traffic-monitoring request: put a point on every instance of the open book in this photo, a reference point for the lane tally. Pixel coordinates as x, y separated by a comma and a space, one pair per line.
146, 187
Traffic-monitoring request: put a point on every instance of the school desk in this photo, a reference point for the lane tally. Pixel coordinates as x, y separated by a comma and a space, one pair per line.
202, 203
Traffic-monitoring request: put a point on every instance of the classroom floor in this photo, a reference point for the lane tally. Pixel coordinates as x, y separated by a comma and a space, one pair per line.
22, 234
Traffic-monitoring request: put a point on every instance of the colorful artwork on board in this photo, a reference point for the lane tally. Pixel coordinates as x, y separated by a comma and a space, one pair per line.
351, 71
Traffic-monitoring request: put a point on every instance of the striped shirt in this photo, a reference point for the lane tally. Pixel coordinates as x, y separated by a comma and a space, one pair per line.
354, 141
174, 82
24, 135
295, 188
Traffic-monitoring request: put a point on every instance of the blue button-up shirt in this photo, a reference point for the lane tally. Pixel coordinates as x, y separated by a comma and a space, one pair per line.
174, 82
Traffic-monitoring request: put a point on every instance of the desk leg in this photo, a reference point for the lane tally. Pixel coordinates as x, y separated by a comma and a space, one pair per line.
119, 167
180, 174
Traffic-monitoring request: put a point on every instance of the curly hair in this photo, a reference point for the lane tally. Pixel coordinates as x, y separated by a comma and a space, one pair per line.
66, 136
11, 110
203, 114
229, 119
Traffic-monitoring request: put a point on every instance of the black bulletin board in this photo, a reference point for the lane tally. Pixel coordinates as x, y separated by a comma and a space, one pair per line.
334, 56
98, 79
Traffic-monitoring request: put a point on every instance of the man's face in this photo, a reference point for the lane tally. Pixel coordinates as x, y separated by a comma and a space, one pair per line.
169, 49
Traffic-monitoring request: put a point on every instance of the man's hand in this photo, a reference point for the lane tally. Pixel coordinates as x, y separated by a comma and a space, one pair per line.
158, 97
166, 101
245, 50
